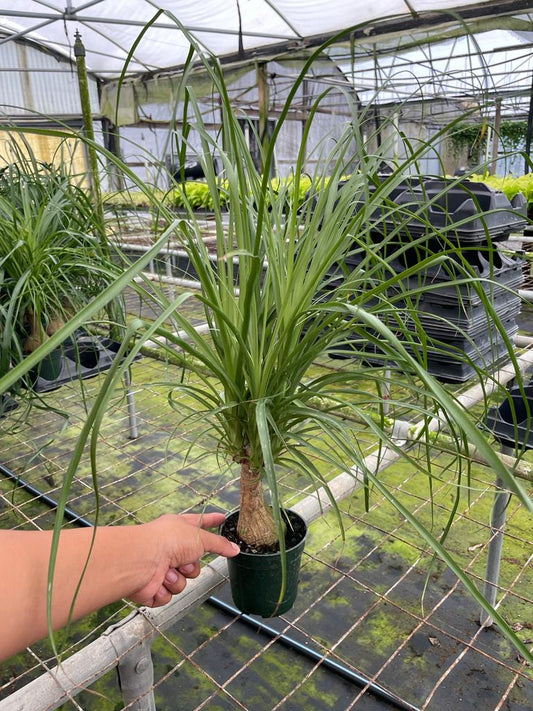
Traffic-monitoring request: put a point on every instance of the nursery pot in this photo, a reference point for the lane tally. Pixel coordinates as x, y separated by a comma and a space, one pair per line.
49, 367
256, 578
84, 352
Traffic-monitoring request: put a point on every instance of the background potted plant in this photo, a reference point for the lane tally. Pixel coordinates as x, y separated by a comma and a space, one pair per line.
53, 262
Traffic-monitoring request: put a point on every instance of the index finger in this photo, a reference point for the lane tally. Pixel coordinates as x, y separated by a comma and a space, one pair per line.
213, 543
205, 520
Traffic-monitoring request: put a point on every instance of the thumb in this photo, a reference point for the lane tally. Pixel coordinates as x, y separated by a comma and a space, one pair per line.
214, 543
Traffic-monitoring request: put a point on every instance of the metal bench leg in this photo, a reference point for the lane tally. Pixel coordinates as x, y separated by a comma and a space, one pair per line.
136, 677
132, 414
497, 525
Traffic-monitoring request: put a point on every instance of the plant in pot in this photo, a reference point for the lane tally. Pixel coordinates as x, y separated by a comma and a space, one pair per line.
293, 282
52, 263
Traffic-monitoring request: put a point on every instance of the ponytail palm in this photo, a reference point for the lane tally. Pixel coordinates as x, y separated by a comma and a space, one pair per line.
51, 262
295, 281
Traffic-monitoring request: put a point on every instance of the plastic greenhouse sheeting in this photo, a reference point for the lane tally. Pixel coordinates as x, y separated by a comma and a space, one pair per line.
109, 28
498, 61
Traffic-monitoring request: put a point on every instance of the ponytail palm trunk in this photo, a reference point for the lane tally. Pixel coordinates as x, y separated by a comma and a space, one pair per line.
256, 525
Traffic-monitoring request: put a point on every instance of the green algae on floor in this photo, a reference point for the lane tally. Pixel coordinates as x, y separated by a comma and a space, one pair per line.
366, 590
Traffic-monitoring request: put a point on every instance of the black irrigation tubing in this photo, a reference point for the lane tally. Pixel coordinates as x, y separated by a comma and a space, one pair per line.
329, 664
52, 503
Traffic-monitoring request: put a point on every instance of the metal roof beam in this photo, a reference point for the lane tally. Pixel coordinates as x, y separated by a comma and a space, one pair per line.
89, 19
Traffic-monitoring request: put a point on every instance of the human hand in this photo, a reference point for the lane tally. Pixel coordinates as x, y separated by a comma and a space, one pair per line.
95, 567
179, 541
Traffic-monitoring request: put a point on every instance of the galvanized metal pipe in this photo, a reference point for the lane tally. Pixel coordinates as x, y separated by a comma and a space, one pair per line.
136, 675
132, 413
494, 554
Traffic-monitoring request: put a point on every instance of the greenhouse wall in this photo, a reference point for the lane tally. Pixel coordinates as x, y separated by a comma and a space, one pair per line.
41, 89
36, 84
149, 146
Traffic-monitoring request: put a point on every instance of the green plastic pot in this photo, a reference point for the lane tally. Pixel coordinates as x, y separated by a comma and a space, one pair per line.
49, 368
256, 578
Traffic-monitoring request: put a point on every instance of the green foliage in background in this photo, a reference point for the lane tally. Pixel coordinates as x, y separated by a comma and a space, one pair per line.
199, 194
469, 139
511, 185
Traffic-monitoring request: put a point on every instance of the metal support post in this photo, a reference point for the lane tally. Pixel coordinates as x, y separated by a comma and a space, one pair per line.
494, 556
386, 394
132, 414
136, 677
168, 273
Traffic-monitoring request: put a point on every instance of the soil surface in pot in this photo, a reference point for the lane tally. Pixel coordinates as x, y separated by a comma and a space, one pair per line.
295, 531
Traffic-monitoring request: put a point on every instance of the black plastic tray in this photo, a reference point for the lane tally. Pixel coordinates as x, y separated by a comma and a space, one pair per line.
468, 212
460, 371
499, 274
460, 363
495, 273
452, 360
7, 404
448, 320
512, 421
85, 358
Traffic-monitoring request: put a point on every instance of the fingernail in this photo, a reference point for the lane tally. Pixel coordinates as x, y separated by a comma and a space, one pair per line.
235, 548
171, 576
186, 569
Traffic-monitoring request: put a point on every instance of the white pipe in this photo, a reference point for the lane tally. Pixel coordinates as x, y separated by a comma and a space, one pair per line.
182, 335
522, 341
176, 281
173, 252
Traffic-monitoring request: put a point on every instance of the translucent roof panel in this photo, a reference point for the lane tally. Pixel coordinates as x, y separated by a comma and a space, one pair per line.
110, 28
494, 63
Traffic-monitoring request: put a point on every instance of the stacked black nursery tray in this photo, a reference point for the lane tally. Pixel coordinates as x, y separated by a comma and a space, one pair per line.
460, 334
463, 335
445, 305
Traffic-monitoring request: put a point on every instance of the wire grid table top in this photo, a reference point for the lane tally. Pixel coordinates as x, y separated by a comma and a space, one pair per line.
374, 606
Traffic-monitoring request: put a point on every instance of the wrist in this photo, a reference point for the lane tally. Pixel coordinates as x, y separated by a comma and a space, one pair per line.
151, 556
